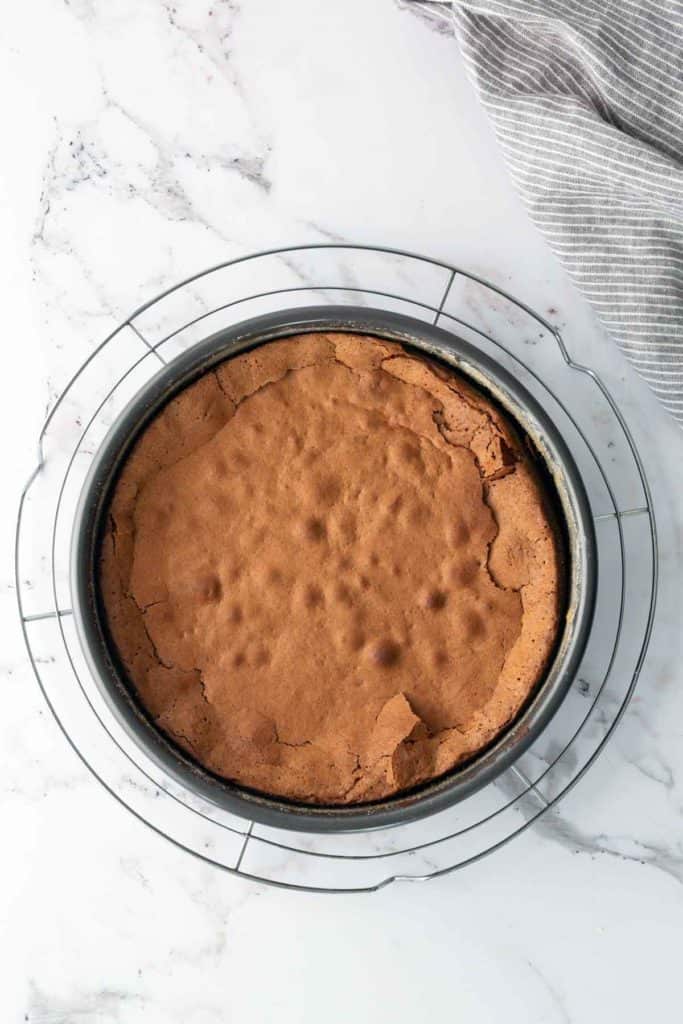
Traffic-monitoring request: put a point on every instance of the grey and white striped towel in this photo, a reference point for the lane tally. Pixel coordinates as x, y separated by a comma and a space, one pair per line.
586, 97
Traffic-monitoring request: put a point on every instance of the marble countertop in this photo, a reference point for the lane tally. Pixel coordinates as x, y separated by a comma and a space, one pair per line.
144, 142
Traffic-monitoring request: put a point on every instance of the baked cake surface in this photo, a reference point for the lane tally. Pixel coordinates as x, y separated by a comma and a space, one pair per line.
331, 569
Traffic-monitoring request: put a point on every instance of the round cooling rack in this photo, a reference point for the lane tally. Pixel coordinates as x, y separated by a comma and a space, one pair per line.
584, 412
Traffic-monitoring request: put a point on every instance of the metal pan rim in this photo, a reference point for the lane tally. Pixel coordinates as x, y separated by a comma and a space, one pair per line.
462, 781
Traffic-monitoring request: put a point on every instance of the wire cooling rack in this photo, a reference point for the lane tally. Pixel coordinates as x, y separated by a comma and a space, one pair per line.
588, 418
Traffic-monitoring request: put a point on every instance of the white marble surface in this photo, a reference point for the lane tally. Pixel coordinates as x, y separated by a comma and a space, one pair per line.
145, 141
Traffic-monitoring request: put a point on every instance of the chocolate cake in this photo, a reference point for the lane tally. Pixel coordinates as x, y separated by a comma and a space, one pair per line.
331, 569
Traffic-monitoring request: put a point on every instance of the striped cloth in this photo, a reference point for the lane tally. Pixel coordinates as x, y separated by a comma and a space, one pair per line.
586, 97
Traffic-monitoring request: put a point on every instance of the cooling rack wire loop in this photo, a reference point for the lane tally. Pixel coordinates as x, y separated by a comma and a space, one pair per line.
591, 424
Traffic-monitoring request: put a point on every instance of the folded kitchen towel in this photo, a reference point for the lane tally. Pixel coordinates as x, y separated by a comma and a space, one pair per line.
586, 97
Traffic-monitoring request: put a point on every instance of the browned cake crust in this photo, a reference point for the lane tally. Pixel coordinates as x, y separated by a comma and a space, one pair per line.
330, 569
